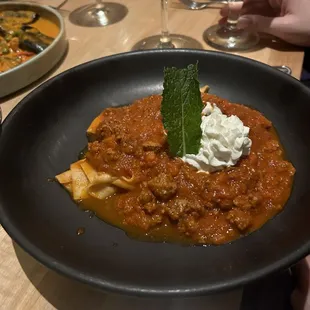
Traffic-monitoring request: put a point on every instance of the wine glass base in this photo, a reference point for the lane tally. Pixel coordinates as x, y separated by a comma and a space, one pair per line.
177, 40
221, 37
95, 16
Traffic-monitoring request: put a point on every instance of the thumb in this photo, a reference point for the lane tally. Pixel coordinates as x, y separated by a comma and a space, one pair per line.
271, 25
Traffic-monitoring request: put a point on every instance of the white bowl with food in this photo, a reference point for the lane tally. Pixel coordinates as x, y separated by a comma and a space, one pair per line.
32, 42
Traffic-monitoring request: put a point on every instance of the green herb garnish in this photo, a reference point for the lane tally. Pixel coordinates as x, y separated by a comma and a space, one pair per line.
181, 110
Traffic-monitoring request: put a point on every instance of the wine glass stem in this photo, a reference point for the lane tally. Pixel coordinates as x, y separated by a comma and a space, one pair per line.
99, 4
165, 40
233, 16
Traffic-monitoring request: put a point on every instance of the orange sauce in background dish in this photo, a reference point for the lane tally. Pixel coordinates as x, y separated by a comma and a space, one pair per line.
18, 43
47, 27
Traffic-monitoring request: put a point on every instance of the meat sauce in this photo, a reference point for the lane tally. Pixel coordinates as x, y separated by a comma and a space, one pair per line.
174, 202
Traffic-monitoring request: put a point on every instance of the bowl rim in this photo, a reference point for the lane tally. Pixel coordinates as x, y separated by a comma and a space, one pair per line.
55, 41
115, 287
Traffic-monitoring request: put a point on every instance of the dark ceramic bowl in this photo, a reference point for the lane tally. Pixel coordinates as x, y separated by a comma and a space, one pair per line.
45, 132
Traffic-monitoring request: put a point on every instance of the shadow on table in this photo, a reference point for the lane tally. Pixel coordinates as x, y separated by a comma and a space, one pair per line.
266, 41
35, 84
59, 291
66, 294
277, 44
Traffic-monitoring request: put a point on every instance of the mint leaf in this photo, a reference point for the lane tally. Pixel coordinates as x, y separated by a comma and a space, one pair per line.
181, 110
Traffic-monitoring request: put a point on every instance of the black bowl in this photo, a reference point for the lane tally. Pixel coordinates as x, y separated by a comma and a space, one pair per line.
45, 132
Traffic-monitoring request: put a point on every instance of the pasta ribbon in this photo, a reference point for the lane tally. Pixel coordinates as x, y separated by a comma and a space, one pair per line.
91, 130
83, 181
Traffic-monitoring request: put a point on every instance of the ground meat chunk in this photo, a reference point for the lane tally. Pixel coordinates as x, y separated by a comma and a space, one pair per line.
178, 208
163, 186
147, 200
150, 159
188, 225
128, 147
111, 155
149, 207
242, 202
151, 146
271, 146
240, 219
247, 201
157, 219
146, 196
104, 131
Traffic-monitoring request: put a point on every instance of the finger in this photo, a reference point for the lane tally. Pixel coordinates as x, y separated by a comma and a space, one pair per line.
297, 300
272, 25
258, 8
233, 7
285, 28
303, 274
222, 21
224, 11
300, 301
252, 7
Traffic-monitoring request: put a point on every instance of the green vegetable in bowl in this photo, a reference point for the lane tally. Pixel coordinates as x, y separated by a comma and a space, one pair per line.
181, 110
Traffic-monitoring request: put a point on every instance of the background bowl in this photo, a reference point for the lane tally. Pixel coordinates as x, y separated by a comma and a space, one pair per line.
46, 131
31, 70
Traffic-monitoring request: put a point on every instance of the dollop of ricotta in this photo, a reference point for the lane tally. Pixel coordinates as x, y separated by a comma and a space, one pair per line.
224, 140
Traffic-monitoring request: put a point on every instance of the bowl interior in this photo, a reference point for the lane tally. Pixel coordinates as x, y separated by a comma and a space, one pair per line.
46, 131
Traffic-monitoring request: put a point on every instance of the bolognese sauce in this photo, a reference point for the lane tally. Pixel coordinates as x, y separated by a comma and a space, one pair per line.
171, 200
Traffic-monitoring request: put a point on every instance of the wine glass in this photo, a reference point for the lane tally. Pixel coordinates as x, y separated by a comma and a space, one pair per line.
98, 14
166, 39
229, 36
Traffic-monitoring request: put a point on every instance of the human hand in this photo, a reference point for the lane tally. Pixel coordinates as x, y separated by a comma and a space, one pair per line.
288, 20
300, 298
